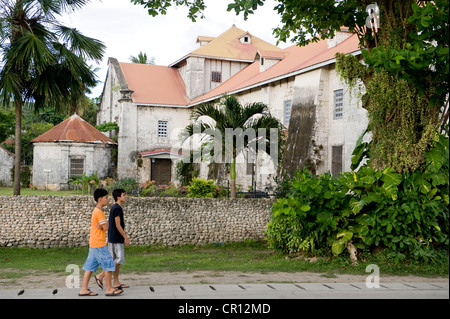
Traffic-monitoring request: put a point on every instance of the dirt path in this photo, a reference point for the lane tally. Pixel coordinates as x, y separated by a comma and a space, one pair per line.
204, 277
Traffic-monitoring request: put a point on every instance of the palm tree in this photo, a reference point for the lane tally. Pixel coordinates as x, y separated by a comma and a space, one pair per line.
142, 58
234, 122
43, 61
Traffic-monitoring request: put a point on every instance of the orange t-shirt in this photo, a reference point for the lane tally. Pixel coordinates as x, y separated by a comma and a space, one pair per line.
98, 236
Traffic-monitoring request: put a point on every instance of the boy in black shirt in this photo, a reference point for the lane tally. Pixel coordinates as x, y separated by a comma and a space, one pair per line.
116, 237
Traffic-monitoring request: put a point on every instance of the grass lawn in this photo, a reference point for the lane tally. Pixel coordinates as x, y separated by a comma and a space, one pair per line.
247, 256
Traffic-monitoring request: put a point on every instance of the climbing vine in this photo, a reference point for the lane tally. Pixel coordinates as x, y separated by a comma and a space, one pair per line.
406, 85
350, 70
400, 122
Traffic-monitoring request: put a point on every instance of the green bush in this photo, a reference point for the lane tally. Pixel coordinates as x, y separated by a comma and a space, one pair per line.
406, 213
149, 189
202, 188
169, 191
285, 235
312, 213
129, 184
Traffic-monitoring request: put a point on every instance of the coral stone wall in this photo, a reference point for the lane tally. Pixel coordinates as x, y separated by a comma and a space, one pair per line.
58, 221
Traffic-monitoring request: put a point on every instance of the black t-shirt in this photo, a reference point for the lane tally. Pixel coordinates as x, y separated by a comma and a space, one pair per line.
113, 234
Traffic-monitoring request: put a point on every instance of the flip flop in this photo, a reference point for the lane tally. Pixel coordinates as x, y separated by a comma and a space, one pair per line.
115, 293
99, 282
122, 286
89, 294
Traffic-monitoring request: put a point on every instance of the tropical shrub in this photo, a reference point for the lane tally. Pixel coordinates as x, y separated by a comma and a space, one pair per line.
129, 184
107, 184
87, 183
170, 190
283, 186
202, 188
285, 234
406, 213
318, 203
148, 188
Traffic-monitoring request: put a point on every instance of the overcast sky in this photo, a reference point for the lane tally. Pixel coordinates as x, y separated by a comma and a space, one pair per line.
126, 29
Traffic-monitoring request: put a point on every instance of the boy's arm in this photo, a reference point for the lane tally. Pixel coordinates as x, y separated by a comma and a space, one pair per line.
103, 222
121, 231
104, 225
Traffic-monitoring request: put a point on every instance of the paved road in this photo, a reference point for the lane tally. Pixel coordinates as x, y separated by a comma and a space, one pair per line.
253, 291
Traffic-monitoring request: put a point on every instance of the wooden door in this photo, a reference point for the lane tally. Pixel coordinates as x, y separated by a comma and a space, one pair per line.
161, 171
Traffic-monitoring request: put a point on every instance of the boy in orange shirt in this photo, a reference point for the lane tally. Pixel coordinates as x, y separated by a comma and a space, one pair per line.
98, 250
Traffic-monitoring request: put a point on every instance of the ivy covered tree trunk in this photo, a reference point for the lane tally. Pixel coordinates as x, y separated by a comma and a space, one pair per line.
401, 122
405, 74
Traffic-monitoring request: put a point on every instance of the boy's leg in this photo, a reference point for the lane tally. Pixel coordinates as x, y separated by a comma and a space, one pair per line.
109, 288
117, 252
108, 266
89, 267
107, 275
99, 279
84, 285
116, 282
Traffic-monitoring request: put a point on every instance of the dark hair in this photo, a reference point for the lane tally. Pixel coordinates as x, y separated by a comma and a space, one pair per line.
100, 192
117, 193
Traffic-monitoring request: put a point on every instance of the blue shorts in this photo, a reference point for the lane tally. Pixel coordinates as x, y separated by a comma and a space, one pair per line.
99, 257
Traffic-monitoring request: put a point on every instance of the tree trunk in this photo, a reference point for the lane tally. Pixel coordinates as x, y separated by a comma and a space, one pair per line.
18, 147
352, 251
233, 178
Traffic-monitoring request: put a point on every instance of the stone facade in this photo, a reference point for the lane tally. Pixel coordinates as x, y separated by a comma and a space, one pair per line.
6, 164
58, 221
138, 126
51, 167
315, 132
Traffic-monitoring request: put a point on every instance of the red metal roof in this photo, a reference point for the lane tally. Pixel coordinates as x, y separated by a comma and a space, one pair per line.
154, 84
160, 85
297, 58
75, 130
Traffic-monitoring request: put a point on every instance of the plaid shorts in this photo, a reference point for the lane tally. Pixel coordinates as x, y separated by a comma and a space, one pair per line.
117, 252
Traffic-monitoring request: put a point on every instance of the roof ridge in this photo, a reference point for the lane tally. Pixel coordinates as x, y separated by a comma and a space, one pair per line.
145, 65
218, 38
